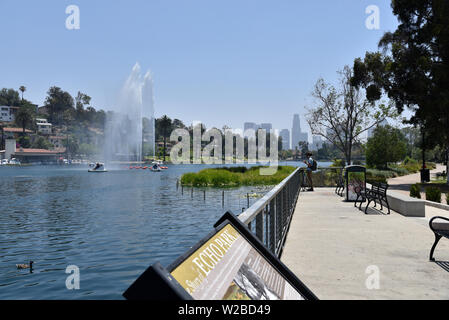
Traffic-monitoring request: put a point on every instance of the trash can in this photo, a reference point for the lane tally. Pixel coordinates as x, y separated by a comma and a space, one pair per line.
425, 175
355, 179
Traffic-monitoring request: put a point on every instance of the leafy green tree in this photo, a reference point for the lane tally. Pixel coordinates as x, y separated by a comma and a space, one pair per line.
24, 142
164, 126
387, 145
81, 101
413, 67
9, 97
25, 117
303, 148
57, 102
42, 143
342, 114
72, 145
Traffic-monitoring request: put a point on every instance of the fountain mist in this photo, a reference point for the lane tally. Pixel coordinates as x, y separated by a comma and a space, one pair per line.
131, 125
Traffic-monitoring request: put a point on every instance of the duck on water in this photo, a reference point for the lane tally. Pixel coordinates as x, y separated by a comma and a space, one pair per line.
25, 266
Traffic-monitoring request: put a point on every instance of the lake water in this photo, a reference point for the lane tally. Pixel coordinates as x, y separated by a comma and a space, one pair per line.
112, 226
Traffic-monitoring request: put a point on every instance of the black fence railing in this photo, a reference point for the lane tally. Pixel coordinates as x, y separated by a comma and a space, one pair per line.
270, 217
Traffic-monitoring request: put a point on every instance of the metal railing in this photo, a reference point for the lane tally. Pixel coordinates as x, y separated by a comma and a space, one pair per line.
270, 217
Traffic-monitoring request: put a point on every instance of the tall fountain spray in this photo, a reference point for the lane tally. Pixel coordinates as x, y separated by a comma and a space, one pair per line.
130, 128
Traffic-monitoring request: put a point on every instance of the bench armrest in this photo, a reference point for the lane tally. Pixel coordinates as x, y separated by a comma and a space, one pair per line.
435, 228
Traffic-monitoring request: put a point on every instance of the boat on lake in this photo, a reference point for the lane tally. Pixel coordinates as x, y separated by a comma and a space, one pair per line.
99, 167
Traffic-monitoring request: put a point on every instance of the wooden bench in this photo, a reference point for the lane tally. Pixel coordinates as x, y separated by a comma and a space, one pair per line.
377, 194
440, 230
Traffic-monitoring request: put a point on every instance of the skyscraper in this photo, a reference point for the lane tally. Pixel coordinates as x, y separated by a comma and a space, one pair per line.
250, 126
297, 135
285, 136
267, 127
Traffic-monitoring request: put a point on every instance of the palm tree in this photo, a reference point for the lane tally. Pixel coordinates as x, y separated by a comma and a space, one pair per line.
166, 126
24, 117
23, 89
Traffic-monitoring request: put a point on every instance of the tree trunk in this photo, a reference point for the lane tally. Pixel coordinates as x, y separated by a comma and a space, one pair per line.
165, 146
447, 165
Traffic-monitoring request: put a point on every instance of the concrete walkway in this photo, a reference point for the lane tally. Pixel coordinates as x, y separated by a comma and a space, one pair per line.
403, 184
331, 246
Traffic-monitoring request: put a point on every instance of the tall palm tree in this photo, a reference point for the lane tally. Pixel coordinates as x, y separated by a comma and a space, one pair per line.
24, 117
23, 89
166, 126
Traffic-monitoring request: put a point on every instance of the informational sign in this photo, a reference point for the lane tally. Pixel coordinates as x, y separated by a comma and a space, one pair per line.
229, 264
228, 267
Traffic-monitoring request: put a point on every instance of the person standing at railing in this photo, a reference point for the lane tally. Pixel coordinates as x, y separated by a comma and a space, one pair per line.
311, 166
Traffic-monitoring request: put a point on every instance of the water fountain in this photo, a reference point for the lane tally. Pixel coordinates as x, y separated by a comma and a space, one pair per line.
125, 133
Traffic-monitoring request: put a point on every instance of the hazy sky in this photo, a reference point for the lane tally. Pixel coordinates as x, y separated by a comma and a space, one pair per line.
220, 62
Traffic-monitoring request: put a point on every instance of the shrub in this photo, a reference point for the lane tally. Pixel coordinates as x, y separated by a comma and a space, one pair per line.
433, 194
415, 191
338, 163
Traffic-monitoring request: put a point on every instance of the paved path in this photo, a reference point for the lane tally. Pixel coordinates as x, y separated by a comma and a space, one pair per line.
403, 184
331, 244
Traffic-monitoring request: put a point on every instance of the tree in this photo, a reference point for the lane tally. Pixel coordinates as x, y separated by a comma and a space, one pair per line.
165, 126
9, 97
413, 68
303, 148
24, 117
81, 101
385, 146
72, 146
57, 102
22, 89
343, 114
42, 143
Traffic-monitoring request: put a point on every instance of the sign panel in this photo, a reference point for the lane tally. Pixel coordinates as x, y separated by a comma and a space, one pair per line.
229, 264
228, 267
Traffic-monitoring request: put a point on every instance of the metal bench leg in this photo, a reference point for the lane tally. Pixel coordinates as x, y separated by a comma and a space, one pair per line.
437, 239
381, 203
356, 200
388, 205
366, 209
361, 202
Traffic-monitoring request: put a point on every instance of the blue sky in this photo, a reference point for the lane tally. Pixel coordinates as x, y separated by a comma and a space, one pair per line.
220, 62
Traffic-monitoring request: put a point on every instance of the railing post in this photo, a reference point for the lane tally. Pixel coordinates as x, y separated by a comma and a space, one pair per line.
273, 215
259, 225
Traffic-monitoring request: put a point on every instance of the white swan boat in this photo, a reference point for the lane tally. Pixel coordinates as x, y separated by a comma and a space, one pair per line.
99, 167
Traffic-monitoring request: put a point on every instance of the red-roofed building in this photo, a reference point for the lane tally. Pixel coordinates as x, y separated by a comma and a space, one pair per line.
30, 155
13, 133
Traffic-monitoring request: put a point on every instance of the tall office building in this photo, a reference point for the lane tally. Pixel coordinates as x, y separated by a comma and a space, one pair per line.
297, 135
267, 127
250, 126
317, 143
285, 136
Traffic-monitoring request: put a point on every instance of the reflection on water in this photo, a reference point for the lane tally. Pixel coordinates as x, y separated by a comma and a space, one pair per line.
112, 226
